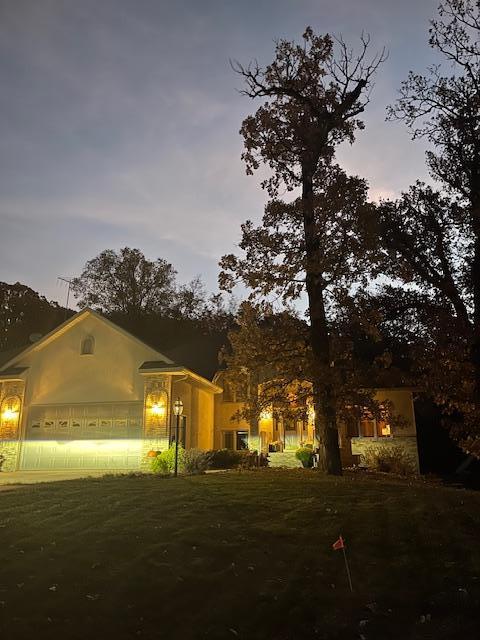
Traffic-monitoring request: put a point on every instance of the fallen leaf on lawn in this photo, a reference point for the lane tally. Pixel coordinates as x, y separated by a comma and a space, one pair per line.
235, 633
53, 587
92, 596
20, 584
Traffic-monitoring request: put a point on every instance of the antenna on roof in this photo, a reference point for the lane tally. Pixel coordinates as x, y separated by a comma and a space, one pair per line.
68, 281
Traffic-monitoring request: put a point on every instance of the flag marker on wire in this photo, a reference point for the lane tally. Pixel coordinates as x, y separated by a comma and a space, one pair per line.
340, 544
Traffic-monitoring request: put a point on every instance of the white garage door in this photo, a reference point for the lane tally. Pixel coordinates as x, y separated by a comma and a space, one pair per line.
84, 436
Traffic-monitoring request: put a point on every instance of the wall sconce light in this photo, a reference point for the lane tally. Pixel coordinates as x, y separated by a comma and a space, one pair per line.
10, 414
158, 409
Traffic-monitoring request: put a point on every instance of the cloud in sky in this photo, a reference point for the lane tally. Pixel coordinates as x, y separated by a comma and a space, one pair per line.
119, 123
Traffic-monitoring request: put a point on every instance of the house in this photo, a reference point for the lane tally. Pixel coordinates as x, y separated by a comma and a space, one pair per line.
358, 439
89, 395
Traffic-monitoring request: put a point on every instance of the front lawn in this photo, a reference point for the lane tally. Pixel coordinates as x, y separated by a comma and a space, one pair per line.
239, 555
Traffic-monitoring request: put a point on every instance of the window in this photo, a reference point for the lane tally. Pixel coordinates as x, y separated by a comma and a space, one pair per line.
228, 440
236, 440
370, 427
88, 346
242, 440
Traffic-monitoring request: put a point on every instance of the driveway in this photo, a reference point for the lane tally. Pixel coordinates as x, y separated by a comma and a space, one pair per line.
9, 480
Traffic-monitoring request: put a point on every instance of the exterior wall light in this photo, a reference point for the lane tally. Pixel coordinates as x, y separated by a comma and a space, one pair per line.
10, 414
158, 409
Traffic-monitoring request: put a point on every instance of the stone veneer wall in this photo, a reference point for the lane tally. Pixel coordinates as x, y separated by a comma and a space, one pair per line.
10, 431
156, 430
407, 444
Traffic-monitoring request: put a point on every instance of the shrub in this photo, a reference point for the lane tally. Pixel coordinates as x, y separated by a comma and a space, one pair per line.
247, 459
391, 459
164, 463
197, 461
305, 455
224, 458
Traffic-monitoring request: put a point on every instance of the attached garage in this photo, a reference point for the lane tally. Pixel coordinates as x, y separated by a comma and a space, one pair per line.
83, 436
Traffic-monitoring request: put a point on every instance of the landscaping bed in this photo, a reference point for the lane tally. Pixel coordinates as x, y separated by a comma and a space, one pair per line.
247, 554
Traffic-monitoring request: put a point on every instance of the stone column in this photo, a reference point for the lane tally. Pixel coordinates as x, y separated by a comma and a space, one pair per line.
156, 416
11, 409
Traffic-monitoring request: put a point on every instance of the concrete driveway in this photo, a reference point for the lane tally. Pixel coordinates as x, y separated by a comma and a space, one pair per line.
9, 480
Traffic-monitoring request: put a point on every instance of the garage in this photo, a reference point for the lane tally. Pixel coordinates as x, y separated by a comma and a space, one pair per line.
83, 436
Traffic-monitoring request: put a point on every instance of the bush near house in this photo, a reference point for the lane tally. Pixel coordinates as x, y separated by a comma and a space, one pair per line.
305, 455
164, 463
391, 459
224, 458
230, 459
197, 461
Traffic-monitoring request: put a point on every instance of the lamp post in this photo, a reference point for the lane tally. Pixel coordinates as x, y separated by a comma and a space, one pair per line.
177, 410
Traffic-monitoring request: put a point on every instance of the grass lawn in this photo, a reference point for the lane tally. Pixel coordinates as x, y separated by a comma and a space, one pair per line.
239, 555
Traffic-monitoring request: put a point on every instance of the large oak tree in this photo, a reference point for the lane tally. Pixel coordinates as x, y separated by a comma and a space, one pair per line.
312, 98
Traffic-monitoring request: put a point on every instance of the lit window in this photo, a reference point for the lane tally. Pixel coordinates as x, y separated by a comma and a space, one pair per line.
242, 440
370, 427
236, 440
88, 346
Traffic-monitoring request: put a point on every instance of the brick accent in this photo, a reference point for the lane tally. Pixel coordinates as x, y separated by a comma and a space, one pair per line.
156, 427
11, 396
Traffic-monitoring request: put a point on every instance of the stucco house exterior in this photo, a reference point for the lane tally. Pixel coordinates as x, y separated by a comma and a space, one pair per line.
91, 396
357, 438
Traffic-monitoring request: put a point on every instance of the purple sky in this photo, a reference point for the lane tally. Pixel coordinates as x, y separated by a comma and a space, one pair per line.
119, 123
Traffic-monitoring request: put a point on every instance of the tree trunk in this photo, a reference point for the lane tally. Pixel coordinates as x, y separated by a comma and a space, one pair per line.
324, 400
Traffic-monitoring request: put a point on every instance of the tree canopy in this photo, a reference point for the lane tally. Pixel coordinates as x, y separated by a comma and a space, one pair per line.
23, 312
313, 95
430, 237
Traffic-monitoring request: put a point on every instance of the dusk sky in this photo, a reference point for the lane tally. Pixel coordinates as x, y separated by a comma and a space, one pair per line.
119, 123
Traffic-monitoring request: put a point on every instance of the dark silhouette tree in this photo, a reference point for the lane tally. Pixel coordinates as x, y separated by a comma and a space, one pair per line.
313, 98
24, 312
430, 240
125, 282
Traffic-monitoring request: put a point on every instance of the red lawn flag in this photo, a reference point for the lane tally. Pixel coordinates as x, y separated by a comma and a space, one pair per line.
339, 544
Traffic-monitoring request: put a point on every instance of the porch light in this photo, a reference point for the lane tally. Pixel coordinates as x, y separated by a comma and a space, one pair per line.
10, 414
158, 409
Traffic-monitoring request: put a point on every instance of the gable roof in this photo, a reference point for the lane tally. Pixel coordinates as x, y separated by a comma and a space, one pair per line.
10, 357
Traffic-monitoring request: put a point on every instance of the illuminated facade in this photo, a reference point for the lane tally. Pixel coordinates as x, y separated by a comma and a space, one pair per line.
357, 438
91, 396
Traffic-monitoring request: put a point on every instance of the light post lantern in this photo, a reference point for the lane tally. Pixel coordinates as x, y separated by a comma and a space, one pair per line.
177, 410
